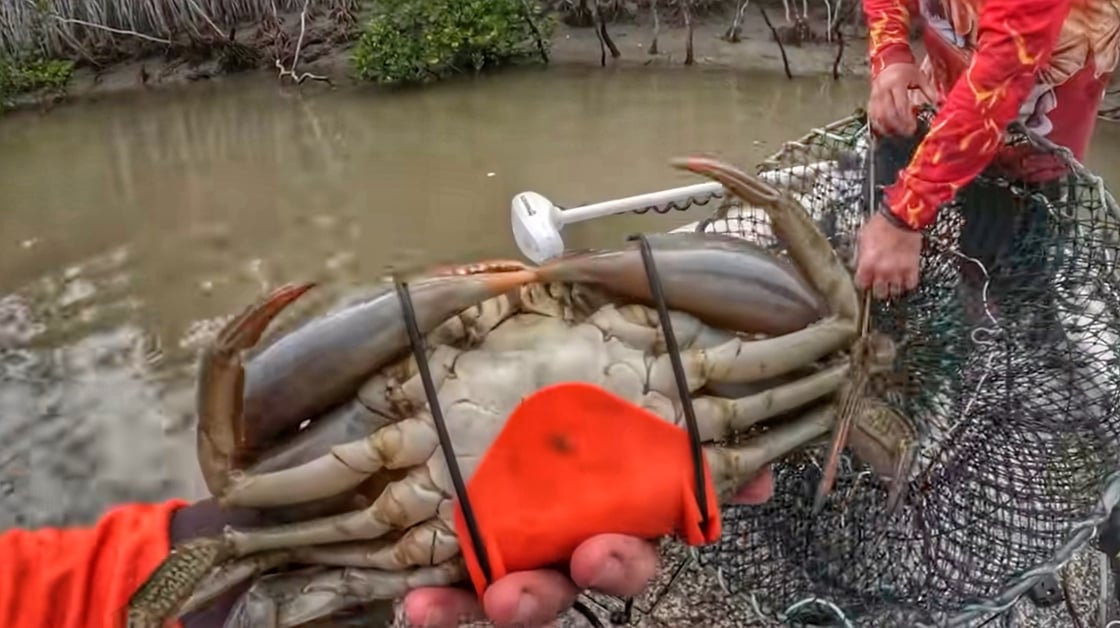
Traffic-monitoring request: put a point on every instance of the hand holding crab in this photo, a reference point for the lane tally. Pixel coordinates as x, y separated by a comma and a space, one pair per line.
614, 564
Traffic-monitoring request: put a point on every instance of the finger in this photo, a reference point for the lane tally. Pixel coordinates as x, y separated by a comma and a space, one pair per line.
863, 269
529, 598
757, 491
901, 115
437, 607
912, 278
877, 113
927, 88
873, 114
614, 564
897, 282
882, 289
873, 118
878, 125
886, 112
878, 109
863, 276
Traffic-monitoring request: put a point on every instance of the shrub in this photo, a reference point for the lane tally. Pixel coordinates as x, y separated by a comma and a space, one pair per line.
415, 41
25, 75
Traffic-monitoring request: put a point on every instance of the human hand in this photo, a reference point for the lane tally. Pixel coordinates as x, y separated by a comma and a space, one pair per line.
888, 258
890, 107
609, 563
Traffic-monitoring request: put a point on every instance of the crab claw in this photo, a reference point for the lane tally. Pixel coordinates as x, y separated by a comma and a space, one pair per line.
221, 427
808, 246
815, 256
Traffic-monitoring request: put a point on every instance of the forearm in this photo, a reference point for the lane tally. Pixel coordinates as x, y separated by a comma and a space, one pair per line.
82, 577
888, 33
1016, 38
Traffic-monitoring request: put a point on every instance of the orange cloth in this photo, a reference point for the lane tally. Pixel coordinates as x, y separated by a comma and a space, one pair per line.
82, 577
574, 461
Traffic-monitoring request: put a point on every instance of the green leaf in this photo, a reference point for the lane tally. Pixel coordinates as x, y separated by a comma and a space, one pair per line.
412, 41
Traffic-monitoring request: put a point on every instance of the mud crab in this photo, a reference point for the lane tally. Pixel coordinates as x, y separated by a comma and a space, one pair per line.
762, 341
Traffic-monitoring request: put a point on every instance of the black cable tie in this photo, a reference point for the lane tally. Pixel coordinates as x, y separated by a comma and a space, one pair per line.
588, 614
678, 372
420, 353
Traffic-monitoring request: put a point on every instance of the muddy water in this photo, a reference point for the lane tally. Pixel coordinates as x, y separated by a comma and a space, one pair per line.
132, 226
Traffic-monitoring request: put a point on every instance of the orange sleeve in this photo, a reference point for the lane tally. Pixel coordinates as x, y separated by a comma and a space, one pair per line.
1016, 38
888, 33
81, 577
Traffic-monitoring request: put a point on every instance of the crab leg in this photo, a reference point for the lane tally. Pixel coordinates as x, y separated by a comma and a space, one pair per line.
741, 361
402, 504
380, 402
429, 543
886, 440
347, 422
413, 441
286, 600
727, 282
396, 446
727, 416
732, 467
232, 574
339, 453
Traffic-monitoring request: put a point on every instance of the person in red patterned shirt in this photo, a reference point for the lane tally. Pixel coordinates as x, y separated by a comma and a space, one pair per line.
989, 63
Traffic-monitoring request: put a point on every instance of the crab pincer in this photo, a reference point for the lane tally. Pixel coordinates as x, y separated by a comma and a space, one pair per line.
221, 428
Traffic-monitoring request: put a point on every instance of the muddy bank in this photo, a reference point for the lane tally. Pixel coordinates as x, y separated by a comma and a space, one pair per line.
324, 59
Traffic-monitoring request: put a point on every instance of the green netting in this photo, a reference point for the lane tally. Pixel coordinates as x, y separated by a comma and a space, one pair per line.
1007, 366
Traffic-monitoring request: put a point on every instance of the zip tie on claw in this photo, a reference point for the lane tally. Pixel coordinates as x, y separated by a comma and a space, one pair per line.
419, 352
673, 349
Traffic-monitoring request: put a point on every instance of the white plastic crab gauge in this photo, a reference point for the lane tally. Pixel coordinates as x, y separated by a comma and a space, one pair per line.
537, 221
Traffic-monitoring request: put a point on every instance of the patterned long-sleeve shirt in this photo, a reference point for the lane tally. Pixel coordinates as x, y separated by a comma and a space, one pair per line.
1044, 62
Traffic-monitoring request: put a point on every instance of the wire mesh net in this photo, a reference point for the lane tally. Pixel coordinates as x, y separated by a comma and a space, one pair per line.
1007, 367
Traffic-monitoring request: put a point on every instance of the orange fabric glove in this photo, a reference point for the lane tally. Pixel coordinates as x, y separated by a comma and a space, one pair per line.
82, 577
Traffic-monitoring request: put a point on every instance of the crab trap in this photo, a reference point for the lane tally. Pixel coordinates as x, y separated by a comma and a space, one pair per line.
1007, 365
